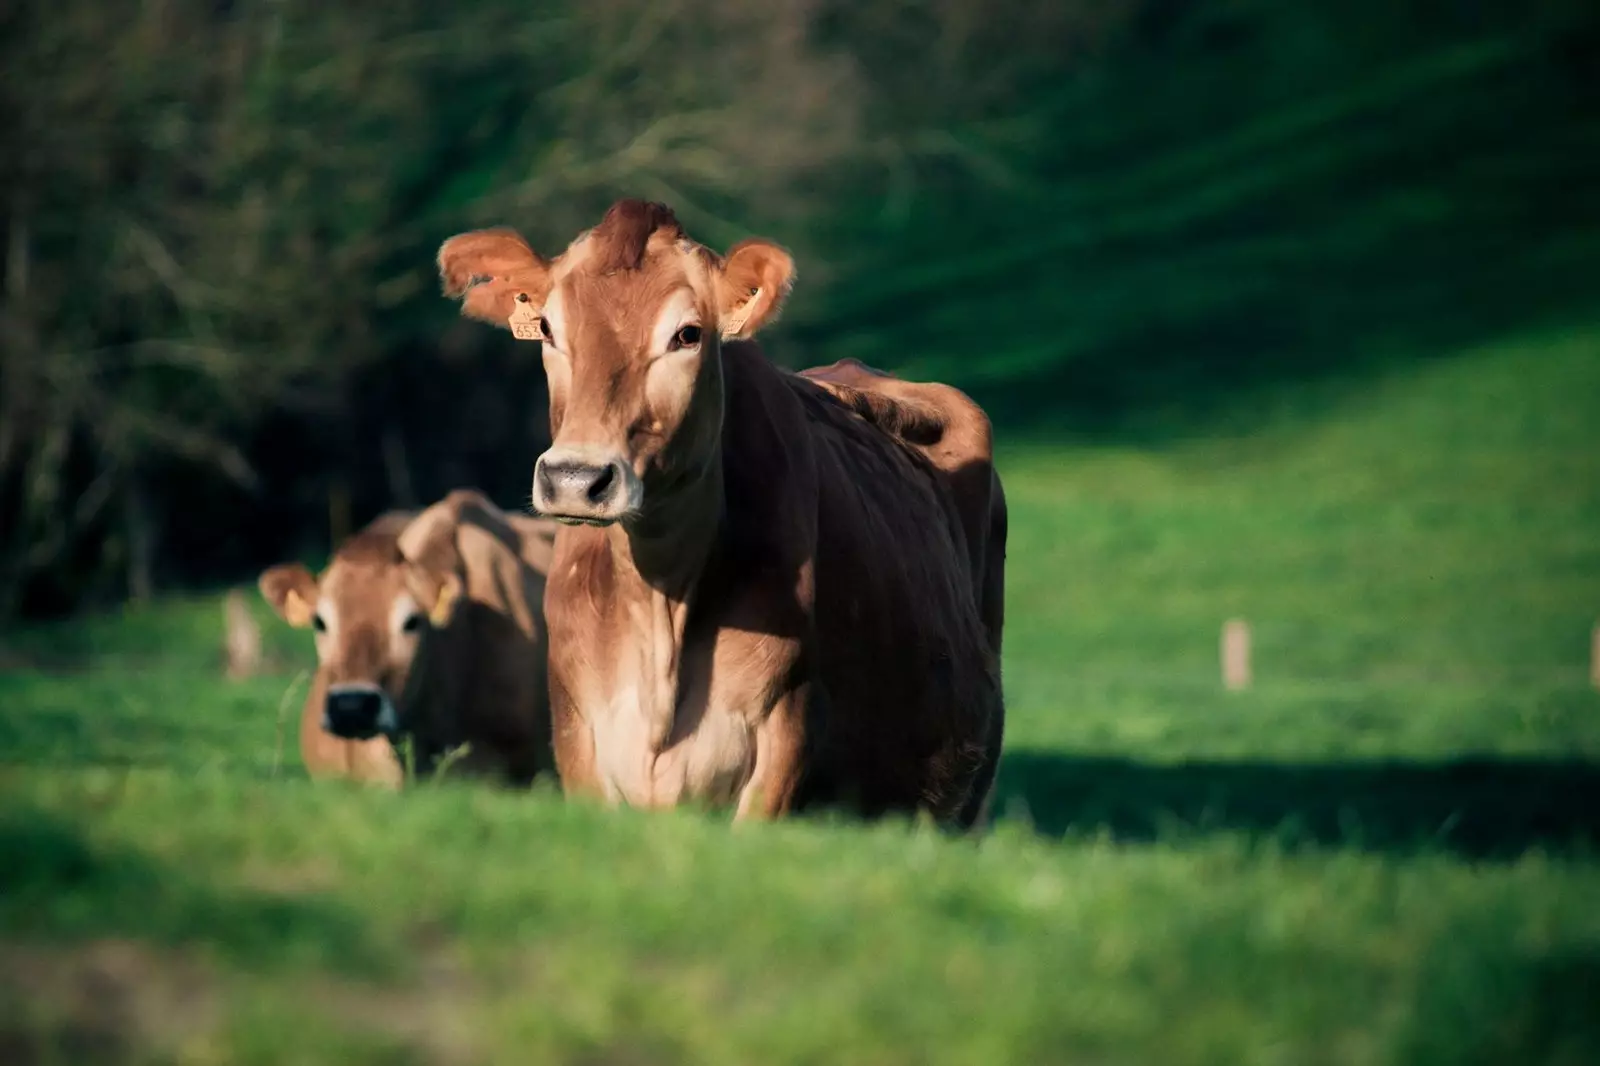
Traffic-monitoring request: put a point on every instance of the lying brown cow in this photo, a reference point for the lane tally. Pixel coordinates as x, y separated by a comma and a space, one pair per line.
786, 589
427, 627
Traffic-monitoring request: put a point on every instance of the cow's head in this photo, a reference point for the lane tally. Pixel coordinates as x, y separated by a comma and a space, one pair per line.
631, 317
373, 611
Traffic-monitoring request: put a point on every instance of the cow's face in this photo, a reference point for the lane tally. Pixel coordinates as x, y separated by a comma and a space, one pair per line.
631, 317
372, 618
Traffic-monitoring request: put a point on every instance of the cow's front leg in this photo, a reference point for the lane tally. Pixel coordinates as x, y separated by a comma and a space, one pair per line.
780, 759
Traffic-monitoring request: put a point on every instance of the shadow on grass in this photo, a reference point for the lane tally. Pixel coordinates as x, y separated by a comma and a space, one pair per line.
56, 885
1481, 808
1482, 1006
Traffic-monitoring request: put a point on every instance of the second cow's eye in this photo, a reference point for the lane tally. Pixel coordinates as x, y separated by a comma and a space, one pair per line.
318, 623
412, 623
687, 337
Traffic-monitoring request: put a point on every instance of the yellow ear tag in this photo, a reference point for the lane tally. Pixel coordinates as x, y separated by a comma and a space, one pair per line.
524, 319
737, 320
297, 611
444, 606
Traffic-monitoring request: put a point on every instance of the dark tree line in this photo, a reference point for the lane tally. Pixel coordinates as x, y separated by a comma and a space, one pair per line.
220, 334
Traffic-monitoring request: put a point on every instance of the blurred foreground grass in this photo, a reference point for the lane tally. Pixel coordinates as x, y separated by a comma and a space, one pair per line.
1378, 854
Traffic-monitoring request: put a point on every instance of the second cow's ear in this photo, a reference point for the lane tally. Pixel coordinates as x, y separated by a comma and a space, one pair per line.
436, 591
432, 560
292, 592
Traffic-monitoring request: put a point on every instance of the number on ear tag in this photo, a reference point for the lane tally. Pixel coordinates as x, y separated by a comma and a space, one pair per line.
736, 321
525, 319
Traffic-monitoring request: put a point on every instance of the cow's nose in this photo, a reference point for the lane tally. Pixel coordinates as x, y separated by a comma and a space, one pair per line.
579, 482
569, 488
352, 712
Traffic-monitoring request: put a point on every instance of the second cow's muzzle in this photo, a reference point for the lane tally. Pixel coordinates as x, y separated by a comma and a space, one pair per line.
359, 712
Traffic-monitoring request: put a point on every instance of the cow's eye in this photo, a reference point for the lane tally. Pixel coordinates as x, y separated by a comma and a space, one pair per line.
412, 623
544, 329
687, 337
318, 623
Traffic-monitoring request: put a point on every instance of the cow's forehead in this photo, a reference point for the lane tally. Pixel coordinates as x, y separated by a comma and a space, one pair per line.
625, 304
363, 588
669, 263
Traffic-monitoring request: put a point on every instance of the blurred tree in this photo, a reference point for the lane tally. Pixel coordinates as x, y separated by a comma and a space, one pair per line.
219, 333
222, 214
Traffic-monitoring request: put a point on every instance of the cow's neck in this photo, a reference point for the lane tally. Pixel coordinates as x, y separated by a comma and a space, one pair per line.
657, 562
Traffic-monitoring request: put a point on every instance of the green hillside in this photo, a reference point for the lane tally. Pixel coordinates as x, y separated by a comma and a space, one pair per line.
1374, 855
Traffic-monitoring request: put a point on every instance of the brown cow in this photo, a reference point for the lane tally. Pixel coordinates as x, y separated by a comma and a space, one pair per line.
785, 589
427, 627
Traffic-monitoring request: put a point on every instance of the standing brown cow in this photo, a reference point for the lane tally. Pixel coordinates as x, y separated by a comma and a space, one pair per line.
785, 589
427, 627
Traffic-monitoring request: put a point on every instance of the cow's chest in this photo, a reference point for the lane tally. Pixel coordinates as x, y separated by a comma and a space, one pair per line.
658, 745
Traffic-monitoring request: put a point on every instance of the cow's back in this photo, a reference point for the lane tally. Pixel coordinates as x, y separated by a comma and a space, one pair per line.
536, 539
954, 434
911, 695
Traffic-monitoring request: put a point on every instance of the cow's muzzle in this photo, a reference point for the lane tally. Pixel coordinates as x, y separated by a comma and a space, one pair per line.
359, 712
573, 487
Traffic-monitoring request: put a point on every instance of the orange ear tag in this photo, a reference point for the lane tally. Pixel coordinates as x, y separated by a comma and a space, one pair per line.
525, 319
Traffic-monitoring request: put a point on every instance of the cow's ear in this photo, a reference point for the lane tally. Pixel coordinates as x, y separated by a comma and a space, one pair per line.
429, 540
432, 558
292, 592
754, 280
438, 592
495, 274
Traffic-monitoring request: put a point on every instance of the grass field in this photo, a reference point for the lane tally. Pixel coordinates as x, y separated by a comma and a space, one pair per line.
1380, 853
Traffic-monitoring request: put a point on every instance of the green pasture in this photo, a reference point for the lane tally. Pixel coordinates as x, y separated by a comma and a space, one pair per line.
1379, 853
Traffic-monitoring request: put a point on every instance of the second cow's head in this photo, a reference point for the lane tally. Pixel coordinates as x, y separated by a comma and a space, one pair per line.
374, 612
631, 317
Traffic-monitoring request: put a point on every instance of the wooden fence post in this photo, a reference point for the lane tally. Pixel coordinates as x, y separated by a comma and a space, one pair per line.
241, 639
1236, 654
1594, 656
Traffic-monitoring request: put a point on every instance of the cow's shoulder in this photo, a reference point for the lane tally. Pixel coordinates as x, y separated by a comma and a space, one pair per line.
467, 533
769, 457
466, 527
